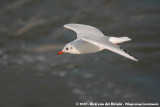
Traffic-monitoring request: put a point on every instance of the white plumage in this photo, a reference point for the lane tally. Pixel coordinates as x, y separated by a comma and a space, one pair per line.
91, 40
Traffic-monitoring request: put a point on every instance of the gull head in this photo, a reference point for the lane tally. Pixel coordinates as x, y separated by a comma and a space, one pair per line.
68, 49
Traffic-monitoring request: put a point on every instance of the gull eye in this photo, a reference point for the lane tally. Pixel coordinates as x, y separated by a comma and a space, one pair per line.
66, 48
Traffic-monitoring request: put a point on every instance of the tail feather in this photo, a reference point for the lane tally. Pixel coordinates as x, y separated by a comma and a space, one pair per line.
117, 40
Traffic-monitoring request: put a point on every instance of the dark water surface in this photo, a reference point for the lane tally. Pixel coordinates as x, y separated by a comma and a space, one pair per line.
31, 34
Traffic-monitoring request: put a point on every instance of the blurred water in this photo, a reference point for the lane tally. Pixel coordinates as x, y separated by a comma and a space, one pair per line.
31, 33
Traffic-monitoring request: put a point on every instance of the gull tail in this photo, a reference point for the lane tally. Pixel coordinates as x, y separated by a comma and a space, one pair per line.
117, 40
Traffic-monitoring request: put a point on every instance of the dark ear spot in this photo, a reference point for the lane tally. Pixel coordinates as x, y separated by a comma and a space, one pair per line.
71, 47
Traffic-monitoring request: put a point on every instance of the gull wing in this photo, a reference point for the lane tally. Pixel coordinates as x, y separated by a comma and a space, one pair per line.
83, 30
103, 42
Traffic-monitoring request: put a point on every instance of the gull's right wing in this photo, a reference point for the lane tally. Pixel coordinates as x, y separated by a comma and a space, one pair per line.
106, 44
84, 30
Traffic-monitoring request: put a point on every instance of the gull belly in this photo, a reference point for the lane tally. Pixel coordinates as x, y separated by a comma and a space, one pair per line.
83, 47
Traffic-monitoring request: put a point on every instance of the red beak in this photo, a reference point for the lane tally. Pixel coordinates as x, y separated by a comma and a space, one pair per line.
60, 52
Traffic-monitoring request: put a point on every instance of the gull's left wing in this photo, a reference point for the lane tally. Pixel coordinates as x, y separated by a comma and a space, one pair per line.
106, 44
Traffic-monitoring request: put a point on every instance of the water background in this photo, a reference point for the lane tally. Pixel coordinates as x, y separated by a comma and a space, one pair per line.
31, 34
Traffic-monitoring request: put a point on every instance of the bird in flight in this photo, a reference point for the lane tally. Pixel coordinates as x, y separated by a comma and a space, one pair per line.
91, 40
